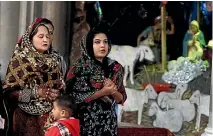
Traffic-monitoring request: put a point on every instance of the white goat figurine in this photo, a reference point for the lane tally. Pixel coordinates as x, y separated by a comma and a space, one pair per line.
127, 56
135, 101
179, 91
184, 106
203, 102
171, 119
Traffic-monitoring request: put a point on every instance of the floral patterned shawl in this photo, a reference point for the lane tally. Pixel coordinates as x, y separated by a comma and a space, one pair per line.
29, 69
87, 75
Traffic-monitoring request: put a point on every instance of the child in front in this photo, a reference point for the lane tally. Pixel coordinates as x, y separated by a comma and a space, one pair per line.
65, 124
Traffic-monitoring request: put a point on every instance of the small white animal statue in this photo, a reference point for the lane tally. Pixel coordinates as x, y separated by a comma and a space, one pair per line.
172, 119
135, 101
179, 91
184, 106
203, 102
127, 56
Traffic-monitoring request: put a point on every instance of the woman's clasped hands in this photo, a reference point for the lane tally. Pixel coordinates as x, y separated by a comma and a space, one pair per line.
109, 87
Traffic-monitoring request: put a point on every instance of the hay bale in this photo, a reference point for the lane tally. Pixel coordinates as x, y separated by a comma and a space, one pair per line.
130, 117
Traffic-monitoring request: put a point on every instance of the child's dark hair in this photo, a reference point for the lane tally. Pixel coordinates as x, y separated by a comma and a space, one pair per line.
66, 101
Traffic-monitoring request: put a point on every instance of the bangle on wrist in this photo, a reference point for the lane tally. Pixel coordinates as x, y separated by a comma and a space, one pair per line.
35, 92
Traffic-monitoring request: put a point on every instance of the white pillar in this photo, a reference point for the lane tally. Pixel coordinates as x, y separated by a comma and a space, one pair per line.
9, 23
23, 17
32, 7
209, 128
55, 11
59, 13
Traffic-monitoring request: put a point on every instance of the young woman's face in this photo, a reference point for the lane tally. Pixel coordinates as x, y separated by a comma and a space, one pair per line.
41, 40
100, 46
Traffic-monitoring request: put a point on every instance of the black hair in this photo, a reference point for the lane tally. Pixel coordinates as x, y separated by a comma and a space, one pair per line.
47, 21
66, 101
101, 28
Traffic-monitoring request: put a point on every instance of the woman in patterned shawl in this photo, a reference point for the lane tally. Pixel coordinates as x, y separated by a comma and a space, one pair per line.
96, 83
33, 80
51, 28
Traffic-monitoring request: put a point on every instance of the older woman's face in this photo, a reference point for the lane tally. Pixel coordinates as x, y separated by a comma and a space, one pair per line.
100, 46
41, 40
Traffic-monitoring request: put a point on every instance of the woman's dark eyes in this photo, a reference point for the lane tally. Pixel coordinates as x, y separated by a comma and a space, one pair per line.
98, 42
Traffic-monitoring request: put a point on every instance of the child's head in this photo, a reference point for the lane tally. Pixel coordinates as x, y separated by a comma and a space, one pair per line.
63, 107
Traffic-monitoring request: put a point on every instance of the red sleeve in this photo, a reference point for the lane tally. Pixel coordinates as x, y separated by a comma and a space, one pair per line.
53, 131
70, 73
118, 79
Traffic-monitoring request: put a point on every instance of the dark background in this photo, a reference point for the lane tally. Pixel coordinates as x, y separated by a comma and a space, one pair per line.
133, 17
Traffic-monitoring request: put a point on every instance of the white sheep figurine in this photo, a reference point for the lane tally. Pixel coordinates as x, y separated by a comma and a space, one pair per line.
203, 102
184, 106
179, 91
135, 101
127, 56
171, 119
